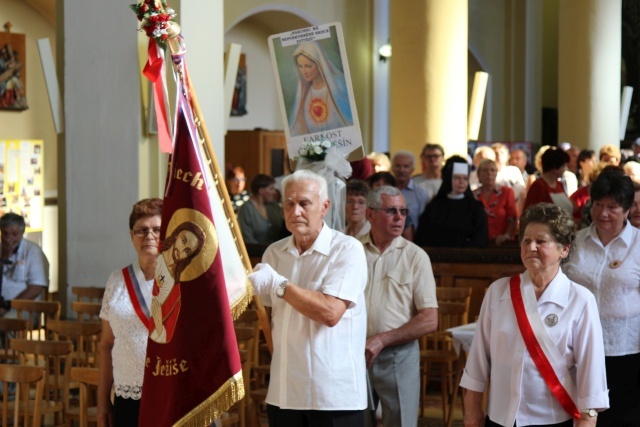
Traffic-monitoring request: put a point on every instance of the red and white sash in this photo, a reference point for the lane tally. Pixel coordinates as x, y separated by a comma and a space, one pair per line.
133, 277
541, 347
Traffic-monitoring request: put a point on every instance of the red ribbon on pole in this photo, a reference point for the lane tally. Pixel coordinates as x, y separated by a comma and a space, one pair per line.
536, 352
155, 72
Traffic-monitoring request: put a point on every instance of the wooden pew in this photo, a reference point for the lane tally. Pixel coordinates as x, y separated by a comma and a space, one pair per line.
473, 268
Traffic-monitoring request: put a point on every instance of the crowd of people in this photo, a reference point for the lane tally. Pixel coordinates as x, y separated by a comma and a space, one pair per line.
498, 187
559, 342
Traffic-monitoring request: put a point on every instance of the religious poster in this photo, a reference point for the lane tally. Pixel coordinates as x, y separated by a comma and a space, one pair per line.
12, 71
315, 91
21, 181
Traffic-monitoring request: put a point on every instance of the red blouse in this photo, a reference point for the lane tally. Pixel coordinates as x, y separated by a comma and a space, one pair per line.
500, 209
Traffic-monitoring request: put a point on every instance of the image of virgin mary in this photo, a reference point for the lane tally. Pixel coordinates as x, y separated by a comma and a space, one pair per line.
322, 98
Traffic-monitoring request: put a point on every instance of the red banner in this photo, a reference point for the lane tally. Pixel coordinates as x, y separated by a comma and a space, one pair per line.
193, 371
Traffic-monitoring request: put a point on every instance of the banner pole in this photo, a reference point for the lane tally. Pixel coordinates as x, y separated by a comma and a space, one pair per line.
207, 147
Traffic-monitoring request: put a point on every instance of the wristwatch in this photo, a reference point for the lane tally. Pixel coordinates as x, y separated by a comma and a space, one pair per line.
281, 289
591, 412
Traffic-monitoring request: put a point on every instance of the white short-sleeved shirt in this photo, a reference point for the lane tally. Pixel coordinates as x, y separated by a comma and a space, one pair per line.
131, 335
612, 274
517, 390
511, 177
400, 284
29, 266
315, 366
432, 185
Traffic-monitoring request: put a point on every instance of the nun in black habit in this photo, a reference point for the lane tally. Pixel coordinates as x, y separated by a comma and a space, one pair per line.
454, 218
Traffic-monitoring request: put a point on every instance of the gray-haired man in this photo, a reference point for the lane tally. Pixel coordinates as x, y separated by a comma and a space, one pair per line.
401, 307
25, 269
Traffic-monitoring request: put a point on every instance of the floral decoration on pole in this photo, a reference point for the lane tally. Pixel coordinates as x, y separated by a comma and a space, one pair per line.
315, 151
154, 17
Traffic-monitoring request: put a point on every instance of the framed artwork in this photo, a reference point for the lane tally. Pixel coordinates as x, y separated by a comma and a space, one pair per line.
239, 102
12, 71
314, 88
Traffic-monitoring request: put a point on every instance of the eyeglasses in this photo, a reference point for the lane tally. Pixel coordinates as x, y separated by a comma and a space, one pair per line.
394, 211
142, 232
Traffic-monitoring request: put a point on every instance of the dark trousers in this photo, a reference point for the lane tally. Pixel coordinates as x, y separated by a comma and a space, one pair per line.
125, 412
568, 423
623, 380
308, 418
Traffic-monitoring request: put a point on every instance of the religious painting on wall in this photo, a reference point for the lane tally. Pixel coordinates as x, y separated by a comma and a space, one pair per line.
314, 88
239, 102
12, 71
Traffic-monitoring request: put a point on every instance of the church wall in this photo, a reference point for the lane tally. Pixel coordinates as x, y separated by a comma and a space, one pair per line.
35, 122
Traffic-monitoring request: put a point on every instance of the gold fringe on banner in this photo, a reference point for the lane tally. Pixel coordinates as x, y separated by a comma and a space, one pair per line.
208, 411
240, 305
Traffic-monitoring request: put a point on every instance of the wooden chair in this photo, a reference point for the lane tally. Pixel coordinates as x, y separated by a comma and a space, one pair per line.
88, 293
85, 337
436, 348
53, 356
24, 377
10, 329
256, 390
37, 313
247, 335
88, 379
87, 311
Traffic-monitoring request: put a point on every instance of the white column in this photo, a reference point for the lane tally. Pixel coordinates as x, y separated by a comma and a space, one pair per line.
203, 28
429, 75
589, 72
98, 153
381, 34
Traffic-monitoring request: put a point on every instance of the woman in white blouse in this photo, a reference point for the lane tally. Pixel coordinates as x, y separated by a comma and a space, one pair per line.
537, 332
607, 262
124, 314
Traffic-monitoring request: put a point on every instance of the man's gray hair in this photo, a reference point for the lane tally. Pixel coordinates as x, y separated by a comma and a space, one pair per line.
405, 153
374, 199
307, 175
11, 219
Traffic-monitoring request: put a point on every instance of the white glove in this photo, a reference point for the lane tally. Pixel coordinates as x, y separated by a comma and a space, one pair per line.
265, 279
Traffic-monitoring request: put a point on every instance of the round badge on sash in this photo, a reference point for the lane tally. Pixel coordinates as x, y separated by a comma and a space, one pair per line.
551, 320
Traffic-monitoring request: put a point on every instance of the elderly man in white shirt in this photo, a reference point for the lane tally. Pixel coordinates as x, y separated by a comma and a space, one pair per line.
314, 281
25, 269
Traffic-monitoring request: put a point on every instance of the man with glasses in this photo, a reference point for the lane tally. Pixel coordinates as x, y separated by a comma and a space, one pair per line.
432, 160
401, 307
25, 269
